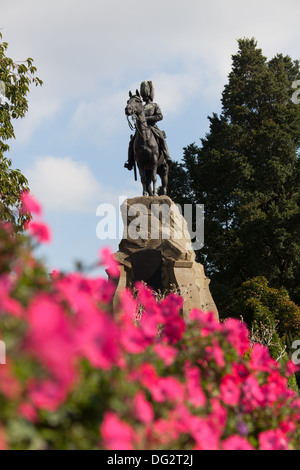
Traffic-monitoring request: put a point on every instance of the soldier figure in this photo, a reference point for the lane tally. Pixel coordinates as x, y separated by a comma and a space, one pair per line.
153, 115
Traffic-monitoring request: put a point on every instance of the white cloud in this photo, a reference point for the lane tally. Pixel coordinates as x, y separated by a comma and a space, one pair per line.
98, 118
86, 51
62, 184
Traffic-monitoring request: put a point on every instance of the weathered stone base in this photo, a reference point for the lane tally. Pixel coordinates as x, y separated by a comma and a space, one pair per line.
156, 248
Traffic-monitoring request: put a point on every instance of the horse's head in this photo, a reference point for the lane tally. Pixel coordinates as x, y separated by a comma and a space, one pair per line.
134, 104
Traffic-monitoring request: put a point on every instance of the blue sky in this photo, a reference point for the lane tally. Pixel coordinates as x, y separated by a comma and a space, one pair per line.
73, 143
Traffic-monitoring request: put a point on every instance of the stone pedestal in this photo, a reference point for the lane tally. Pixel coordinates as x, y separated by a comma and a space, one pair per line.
156, 248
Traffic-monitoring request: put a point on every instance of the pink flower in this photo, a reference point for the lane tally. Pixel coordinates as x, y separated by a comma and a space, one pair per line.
161, 388
116, 434
273, 440
11, 306
287, 427
108, 260
50, 338
291, 368
149, 326
236, 443
28, 411
237, 334
218, 415
97, 337
196, 395
147, 299
166, 353
128, 306
47, 394
206, 320
46, 317
253, 396
8, 304
276, 390
204, 433
170, 389
40, 231
215, 352
181, 418
29, 205
230, 391
261, 359
174, 329
171, 306
132, 339
239, 372
143, 410
146, 374
164, 431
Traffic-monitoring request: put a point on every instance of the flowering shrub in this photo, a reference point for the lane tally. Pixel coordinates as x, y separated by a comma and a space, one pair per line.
80, 376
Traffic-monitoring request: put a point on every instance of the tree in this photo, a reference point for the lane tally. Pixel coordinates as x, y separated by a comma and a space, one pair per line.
15, 80
246, 173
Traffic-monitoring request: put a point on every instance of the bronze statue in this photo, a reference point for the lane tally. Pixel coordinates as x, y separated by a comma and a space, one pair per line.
148, 146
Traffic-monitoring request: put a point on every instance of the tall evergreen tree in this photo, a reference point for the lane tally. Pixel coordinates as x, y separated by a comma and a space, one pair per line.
247, 173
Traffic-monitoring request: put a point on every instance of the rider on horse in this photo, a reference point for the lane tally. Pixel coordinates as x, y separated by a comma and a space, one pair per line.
153, 115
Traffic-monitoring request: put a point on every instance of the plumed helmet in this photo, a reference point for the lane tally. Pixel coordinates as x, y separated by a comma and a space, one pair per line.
147, 89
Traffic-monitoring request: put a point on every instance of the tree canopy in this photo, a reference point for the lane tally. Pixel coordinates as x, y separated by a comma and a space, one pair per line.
246, 173
15, 81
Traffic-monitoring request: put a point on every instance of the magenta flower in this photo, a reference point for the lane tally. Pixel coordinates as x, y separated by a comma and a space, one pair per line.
39, 231
261, 359
205, 433
29, 205
215, 352
143, 410
116, 434
166, 353
7, 303
97, 337
47, 394
230, 391
195, 393
107, 259
174, 329
236, 443
237, 334
50, 338
28, 411
206, 320
273, 440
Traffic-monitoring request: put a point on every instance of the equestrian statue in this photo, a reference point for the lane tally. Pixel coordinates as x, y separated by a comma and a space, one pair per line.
147, 147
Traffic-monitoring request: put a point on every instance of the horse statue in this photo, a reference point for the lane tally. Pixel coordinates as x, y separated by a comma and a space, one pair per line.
147, 153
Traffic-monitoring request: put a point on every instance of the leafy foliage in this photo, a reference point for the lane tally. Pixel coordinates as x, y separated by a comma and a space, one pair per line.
266, 309
15, 80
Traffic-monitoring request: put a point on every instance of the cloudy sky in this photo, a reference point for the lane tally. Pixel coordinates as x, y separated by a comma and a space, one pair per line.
73, 143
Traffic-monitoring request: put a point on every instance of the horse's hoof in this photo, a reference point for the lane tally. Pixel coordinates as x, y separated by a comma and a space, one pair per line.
145, 194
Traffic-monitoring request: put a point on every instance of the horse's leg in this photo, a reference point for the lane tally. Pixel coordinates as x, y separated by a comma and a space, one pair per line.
148, 182
154, 179
164, 180
163, 171
143, 179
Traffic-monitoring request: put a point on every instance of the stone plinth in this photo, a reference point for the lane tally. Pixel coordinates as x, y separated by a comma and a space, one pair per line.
156, 248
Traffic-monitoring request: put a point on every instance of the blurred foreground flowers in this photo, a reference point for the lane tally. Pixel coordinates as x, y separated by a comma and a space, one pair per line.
78, 376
